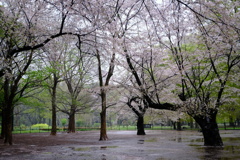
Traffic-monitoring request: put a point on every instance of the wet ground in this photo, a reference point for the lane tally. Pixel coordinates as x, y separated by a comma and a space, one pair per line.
122, 145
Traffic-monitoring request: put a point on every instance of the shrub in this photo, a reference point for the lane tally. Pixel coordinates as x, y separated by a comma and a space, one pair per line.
96, 125
40, 125
64, 122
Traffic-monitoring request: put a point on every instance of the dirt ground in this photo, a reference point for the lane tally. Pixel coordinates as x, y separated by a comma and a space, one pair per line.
122, 145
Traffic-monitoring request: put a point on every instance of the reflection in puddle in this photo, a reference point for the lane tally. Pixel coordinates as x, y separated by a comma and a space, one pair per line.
141, 141
231, 139
105, 147
197, 140
179, 139
232, 149
220, 153
151, 140
93, 148
82, 149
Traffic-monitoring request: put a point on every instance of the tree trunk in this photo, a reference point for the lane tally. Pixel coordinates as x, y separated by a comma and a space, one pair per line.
103, 129
174, 125
54, 106
71, 123
231, 122
54, 121
210, 130
3, 128
179, 126
8, 125
191, 123
140, 126
8, 112
238, 122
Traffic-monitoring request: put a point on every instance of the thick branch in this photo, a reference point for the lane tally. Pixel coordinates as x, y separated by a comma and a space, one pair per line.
151, 104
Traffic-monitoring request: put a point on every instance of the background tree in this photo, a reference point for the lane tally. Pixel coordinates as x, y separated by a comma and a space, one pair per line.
77, 69
25, 28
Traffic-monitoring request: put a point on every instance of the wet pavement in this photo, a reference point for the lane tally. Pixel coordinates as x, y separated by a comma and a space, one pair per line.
122, 145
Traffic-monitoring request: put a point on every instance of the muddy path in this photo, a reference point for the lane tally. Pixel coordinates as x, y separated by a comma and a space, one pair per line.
122, 145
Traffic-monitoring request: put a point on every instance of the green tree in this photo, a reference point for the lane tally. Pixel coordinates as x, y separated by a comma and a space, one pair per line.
63, 122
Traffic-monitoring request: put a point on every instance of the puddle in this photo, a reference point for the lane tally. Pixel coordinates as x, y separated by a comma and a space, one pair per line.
141, 141
112, 146
151, 140
221, 153
231, 139
85, 155
232, 149
6, 154
162, 159
195, 145
179, 139
105, 147
82, 149
156, 145
197, 140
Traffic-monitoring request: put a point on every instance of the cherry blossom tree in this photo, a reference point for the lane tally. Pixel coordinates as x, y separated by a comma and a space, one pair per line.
198, 36
207, 77
53, 60
29, 25
77, 65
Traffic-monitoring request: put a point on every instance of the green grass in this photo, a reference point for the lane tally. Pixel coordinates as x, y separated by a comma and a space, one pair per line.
40, 130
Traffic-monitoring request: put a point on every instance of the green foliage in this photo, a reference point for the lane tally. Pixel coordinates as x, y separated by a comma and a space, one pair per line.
22, 126
1, 98
64, 121
1, 33
79, 123
40, 125
96, 125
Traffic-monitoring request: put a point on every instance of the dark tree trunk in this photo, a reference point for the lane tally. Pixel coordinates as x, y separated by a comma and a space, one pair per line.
8, 125
54, 106
54, 121
103, 129
179, 126
210, 130
8, 132
174, 125
231, 122
238, 122
3, 128
191, 123
71, 123
140, 126
8, 112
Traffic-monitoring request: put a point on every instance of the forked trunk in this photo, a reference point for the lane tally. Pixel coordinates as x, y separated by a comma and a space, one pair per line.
103, 129
210, 130
71, 123
140, 126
